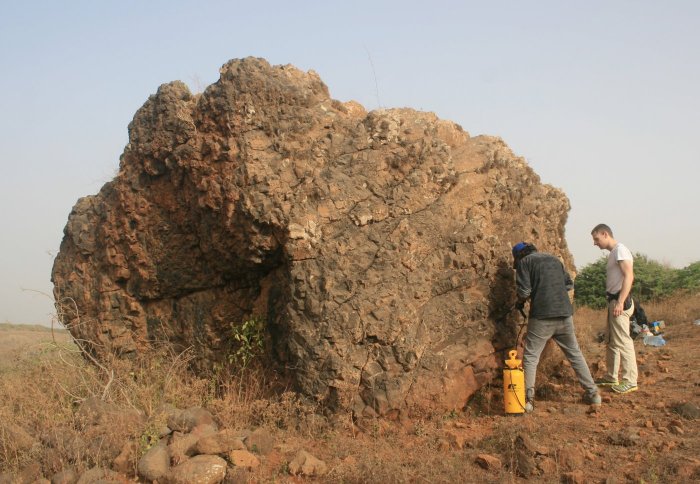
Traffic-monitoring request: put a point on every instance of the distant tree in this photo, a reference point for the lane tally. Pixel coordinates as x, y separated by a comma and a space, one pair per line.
589, 287
652, 280
688, 278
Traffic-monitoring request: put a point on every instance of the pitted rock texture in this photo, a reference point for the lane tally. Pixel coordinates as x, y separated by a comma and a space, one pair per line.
375, 246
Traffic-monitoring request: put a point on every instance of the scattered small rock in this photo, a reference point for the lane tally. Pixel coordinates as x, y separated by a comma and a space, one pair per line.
525, 465
666, 446
155, 463
237, 475
571, 457
221, 442
98, 474
687, 410
187, 420
625, 438
307, 465
243, 458
164, 431
524, 441
202, 469
181, 447
488, 461
260, 441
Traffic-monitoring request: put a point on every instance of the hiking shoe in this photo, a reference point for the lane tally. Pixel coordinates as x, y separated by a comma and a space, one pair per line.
604, 382
592, 399
624, 387
529, 407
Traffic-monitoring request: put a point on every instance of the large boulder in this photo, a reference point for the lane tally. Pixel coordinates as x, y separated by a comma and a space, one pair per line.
375, 246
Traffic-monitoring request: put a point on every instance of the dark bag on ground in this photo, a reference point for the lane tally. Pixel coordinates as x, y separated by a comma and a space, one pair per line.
637, 320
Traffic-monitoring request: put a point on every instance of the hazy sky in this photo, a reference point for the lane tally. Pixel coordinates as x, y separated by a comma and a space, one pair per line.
600, 97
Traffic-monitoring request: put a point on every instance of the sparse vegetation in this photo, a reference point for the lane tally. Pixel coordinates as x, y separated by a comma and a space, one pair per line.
250, 336
44, 383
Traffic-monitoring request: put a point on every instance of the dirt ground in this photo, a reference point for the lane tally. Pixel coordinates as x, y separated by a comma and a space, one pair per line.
645, 436
19, 341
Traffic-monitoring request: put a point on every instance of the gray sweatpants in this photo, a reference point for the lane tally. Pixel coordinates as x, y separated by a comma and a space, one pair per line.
539, 331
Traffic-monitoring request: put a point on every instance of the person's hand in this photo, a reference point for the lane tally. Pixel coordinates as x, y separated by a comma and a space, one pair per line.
617, 310
520, 305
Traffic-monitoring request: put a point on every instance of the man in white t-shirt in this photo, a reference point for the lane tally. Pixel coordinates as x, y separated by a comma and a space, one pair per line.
620, 353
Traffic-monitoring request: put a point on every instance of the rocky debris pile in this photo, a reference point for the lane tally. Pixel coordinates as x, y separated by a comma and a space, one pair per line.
374, 245
173, 446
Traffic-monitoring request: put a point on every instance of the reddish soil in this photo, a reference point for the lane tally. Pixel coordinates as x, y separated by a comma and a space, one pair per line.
646, 436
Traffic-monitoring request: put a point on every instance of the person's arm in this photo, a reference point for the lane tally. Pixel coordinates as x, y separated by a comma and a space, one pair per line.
627, 280
568, 283
522, 282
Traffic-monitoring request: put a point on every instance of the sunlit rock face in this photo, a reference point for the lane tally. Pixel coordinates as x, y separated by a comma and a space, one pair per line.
374, 245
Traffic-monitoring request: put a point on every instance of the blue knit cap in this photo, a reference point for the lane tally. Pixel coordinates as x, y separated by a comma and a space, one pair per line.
518, 247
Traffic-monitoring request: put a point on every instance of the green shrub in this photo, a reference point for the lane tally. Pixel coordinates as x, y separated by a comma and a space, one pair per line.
652, 280
250, 338
589, 287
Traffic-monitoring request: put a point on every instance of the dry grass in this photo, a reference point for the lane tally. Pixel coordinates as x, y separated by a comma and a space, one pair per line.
44, 384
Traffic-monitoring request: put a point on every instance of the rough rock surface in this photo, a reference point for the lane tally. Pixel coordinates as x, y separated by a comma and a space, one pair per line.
375, 246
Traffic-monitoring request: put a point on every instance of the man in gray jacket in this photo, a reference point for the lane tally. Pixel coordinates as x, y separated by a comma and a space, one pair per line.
542, 279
